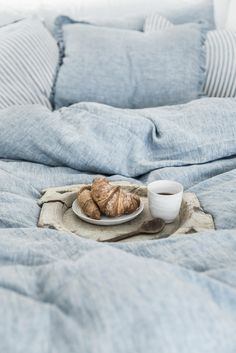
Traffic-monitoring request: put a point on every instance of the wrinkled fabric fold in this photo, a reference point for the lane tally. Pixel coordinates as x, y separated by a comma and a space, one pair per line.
62, 293
95, 138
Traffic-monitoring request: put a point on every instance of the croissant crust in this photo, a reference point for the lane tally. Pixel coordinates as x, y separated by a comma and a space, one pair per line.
104, 198
112, 200
87, 204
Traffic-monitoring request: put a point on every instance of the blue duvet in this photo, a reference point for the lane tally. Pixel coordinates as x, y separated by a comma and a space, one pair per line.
60, 293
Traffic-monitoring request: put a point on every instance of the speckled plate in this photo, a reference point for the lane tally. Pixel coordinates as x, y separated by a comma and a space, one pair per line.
107, 221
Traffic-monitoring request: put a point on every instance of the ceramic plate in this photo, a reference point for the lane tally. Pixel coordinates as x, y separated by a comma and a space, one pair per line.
106, 221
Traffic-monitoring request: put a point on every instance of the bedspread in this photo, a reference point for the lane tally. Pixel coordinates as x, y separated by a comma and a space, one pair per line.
60, 293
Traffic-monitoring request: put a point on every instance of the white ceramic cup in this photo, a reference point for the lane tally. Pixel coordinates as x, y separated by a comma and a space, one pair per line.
166, 207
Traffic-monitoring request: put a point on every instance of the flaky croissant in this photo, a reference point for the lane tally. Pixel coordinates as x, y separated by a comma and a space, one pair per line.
112, 200
87, 204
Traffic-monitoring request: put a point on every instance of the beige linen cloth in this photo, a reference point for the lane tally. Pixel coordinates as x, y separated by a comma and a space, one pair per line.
56, 213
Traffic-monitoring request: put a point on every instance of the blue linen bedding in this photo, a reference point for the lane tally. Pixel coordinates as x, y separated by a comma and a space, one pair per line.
129, 69
61, 293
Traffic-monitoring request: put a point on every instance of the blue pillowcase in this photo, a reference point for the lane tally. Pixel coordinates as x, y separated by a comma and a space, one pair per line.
130, 69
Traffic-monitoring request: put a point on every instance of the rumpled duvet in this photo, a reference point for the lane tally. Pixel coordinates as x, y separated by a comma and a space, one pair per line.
61, 293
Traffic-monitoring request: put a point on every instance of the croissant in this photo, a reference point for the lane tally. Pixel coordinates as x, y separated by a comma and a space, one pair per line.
87, 204
112, 200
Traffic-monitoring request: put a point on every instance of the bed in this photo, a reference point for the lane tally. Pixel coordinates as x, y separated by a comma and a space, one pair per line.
62, 293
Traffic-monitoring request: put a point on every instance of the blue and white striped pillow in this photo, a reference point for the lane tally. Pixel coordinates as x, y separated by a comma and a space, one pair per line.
156, 22
28, 62
221, 64
220, 57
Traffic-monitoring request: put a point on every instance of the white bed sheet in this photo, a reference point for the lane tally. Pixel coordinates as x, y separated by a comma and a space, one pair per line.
15, 9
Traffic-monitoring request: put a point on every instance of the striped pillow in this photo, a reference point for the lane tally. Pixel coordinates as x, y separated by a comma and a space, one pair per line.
221, 64
28, 62
220, 57
156, 22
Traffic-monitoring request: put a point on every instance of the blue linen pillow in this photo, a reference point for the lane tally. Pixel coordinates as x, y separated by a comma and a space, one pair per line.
220, 80
130, 69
